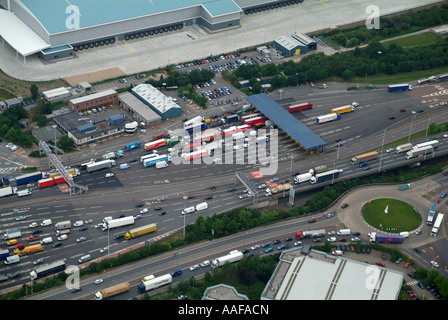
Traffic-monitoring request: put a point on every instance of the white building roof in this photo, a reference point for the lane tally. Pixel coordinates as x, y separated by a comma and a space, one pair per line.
319, 276
19, 36
93, 96
155, 98
288, 42
56, 92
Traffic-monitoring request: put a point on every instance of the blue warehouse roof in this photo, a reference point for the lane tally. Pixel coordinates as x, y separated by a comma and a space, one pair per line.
53, 16
287, 122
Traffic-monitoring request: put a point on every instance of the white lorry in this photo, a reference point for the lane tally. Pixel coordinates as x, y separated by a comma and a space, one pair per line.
115, 223
343, 232
302, 177
22, 193
231, 257
202, 206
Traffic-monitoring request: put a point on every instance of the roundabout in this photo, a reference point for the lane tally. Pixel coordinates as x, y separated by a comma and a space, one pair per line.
391, 215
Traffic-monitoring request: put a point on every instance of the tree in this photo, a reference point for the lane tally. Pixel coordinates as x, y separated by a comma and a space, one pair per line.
34, 91
66, 143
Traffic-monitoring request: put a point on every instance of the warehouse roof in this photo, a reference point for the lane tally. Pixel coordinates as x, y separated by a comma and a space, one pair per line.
54, 14
284, 120
321, 276
153, 97
288, 43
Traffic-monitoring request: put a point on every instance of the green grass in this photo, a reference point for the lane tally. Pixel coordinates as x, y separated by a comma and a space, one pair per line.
400, 215
422, 39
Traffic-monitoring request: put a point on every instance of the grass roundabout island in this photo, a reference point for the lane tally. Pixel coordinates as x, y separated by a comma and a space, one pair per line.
391, 215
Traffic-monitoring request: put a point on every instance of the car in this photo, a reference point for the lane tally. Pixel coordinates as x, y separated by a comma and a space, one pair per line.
406, 265
312, 221
205, 263
281, 247
57, 244
157, 208
391, 118
399, 259
20, 218
34, 225
355, 239
231, 189
98, 281
421, 285
275, 241
83, 229
390, 150
331, 233
366, 168
208, 197
342, 239
162, 213
78, 223
411, 275
274, 179
32, 238
89, 221
182, 297
102, 250
339, 144
137, 216
329, 215
76, 289
139, 205
195, 267
434, 263
443, 195
14, 148
287, 239
81, 239
255, 247
30, 185
420, 111
443, 103
345, 205
189, 197
38, 261
437, 200
363, 164
317, 239
380, 263
62, 237
244, 196
262, 186
418, 250
144, 210
298, 243
268, 250
109, 174
402, 110
133, 160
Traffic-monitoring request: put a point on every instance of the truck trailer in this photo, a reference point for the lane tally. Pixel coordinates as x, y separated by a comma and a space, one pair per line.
369, 156
109, 155
399, 87
29, 249
231, 257
328, 117
112, 291
343, 109
26, 178
155, 283
303, 177
7, 191
403, 147
310, 233
385, 238
116, 223
67, 224
300, 107
325, 176
405, 187
47, 270
131, 146
437, 224
4, 254
417, 152
100, 165
43, 183
278, 189
133, 233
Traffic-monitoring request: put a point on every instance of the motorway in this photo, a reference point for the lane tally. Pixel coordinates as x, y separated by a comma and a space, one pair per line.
118, 195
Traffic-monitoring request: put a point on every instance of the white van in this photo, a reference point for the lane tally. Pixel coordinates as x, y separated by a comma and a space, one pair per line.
202, 206
161, 164
12, 259
46, 240
46, 222
188, 210
85, 258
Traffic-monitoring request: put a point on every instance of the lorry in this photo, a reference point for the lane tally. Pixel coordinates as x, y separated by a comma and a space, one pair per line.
153, 160
231, 118
325, 176
196, 127
416, 152
109, 155
385, 238
12, 259
116, 223
61, 232
100, 165
4, 254
131, 146
112, 291
427, 80
231, 257
29, 249
43, 183
47, 270
399, 87
278, 189
310, 233
303, 177
12, 234
300, 107
25, 192
26, 178
403, 147
343, 232
155, 283
134, 233
405, 187
201, 206
67, 224
369, 156
437, 224
343, 109
328, 117
7, 191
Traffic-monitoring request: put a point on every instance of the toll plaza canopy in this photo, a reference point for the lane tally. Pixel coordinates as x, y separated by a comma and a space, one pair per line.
287, 122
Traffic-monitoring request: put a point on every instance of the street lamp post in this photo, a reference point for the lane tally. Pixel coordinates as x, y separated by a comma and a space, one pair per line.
381, 155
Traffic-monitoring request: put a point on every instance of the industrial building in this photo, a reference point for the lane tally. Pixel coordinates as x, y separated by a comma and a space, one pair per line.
56, 94
321, 276
294, 45
158, 102
141, 111
295, 129
95, 100
56, 29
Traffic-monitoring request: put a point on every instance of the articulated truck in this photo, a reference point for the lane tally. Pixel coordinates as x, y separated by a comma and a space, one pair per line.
369, 156
277, 189
417, 152
399, 87
325, 176
29, 177
310, 233
328, 117
100, 165
47, 270
231, 257
343, 109
385, 238
7, 191
116, 223
403, 147
112, 291
134, 233
29, 249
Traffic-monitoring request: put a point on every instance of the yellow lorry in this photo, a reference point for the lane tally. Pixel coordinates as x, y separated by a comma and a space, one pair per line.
134, 233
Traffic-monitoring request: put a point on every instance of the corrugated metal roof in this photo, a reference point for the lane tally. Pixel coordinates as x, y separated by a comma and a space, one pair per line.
56, 15
284, 120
